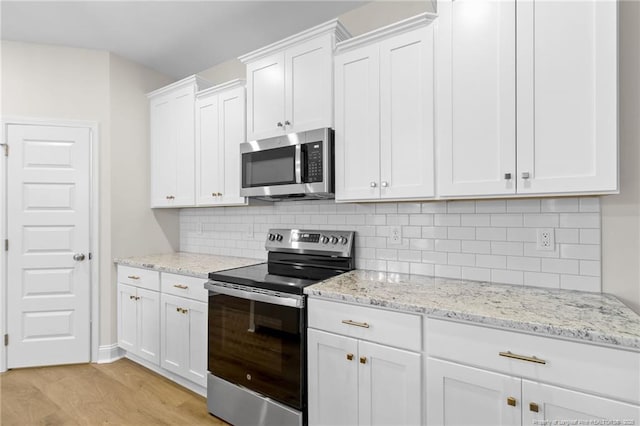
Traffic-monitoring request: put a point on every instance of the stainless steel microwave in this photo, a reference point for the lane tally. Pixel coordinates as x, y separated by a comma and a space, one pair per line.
290, 167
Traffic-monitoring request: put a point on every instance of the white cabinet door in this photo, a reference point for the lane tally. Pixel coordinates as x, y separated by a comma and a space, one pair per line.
173, 340
172, 121
308, 85
265, 97
127, 318
231, 119
184, 337
476, 95
209, 151
407, 115
390, 385
332, 379
567, 96
163, 152
545, 404
357, 132
148, 325
460, 395
184, 117
195, 366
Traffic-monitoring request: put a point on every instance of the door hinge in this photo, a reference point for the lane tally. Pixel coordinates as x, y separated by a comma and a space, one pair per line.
6, 245
6, 340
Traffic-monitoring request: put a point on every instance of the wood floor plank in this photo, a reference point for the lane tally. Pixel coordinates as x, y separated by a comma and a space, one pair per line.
122, 393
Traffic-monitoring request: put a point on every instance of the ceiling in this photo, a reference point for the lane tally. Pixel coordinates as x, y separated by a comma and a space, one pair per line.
177, 38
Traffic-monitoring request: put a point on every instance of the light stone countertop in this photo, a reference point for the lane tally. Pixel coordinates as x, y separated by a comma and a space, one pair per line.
192, 264
593, 317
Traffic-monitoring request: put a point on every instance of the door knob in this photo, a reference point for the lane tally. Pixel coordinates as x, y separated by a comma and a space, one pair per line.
78, 257
373, 184
385, 184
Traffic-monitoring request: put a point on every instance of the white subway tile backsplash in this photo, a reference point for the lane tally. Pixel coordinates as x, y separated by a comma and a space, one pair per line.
506, 220
478, 247
485, 240
476, 274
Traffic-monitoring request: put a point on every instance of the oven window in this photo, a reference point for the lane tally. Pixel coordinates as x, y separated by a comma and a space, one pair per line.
257, 345
269, 167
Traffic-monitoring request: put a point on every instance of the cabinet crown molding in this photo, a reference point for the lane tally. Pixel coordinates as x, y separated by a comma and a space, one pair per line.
231, 84
333, 27
196, 80
396, 28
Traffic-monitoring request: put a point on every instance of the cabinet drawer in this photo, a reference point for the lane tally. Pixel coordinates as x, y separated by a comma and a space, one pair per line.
596, 369
139, 277
377, 325
184, 286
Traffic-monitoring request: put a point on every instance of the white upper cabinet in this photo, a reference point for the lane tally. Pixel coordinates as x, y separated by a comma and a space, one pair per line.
476, 95
290, 83
567, 96
384, 131
172, 119
527, 97
220, 129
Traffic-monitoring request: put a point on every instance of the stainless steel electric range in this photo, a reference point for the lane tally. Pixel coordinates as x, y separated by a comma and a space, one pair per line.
257, 327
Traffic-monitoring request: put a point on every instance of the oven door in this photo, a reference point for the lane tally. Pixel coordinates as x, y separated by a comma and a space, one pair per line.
257, 341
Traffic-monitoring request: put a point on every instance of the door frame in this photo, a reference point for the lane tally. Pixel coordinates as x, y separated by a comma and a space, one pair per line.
94, 225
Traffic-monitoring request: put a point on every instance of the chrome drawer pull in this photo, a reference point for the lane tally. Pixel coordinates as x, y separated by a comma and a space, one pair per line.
522, 357
181, 286
357, 324
133, 277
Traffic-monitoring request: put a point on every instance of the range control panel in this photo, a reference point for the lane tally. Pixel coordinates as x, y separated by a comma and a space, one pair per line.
300, 240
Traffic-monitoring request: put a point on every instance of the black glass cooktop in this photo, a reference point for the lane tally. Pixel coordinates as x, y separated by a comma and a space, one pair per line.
286, 273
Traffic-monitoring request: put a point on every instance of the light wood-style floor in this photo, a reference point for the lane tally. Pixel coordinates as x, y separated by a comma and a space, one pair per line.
120, 393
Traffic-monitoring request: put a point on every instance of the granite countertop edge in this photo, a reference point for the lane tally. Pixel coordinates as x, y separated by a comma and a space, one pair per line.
183, 263
577, 334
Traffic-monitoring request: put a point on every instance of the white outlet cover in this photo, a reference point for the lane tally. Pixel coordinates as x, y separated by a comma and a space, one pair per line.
545, 239
395, 235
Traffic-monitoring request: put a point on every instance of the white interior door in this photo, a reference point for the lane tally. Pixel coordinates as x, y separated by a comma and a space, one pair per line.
48, 296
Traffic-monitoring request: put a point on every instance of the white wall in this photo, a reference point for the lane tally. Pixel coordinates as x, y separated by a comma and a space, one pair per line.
43, 81
621, 213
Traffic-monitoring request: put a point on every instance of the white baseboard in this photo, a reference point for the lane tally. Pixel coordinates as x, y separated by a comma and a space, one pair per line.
109, 353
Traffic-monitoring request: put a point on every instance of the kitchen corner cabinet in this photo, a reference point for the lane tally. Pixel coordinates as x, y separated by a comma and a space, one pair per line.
220, 129
138, 310
526, 97
183, 340
290, 83
172, 124
364, 365
539, 379
384, 113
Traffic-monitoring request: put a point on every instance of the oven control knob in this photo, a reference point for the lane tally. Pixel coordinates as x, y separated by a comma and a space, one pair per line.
271, 237
278, 237
334, 240
324, 239
343, 240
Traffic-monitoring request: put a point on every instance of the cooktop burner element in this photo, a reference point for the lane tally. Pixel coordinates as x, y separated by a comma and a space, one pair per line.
297, 258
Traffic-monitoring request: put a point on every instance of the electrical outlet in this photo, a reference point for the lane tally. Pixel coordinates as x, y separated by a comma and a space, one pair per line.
545, 240
395, 235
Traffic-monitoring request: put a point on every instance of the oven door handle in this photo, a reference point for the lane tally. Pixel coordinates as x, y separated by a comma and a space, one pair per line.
258, 297
298, 161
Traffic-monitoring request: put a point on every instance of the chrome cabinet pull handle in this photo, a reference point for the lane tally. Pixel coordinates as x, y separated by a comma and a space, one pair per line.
133, 277
385, 184
181, 286
373, 184
279, 124
287, 123
525, 175
507, 176
170, 197
508, 354
357, 324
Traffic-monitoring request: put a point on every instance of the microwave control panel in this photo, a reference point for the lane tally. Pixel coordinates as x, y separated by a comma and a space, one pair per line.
313, 152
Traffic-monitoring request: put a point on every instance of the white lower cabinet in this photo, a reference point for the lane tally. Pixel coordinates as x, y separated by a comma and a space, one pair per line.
352, 381
482, 376
184, 337
138, 321
162, 319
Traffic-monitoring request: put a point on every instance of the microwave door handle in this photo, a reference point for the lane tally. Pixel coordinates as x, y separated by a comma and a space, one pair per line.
298, 160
